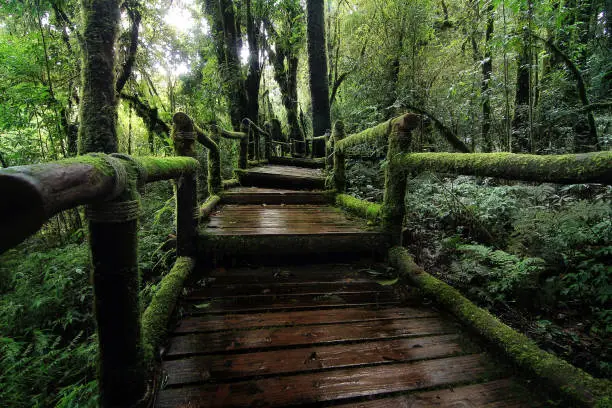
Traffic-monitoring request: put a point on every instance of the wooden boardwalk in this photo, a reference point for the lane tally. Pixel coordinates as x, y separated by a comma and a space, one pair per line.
321, 334
309, 333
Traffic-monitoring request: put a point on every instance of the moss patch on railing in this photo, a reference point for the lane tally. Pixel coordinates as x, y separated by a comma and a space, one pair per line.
573, 384
156, 317
227, 184
163, 168
209, 205
361, 208
372, 136
568, 168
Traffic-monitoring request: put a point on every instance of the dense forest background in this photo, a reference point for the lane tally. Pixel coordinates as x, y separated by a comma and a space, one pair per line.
499, 75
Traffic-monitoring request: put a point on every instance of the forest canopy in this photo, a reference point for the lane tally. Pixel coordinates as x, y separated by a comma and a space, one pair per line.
513, 75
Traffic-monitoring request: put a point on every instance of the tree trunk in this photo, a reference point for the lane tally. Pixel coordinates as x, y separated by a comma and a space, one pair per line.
487, 69
98, 110
317, 62
223, 26
253, 79
521, 138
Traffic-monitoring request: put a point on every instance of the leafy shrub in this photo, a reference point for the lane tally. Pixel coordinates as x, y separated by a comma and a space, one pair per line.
493, 274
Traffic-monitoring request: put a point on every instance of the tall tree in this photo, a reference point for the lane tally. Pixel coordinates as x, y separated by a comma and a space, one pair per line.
98, 108
317, 63
287, 40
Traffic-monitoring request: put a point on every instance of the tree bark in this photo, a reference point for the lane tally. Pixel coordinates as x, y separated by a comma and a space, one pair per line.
487, 69
98, 108
253, 79
222, 20
317, 62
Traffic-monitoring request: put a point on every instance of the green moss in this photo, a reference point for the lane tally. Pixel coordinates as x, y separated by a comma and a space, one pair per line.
163, 168
572, 383
209, 205
374, 135
156, 317
227, 184
361, 208
569, 168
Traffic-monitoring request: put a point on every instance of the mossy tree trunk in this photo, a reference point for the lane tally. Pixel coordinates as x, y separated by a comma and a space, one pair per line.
113, 224
317, 63
98, 108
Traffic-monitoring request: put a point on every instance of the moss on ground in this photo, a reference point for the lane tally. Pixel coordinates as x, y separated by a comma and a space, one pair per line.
576, 386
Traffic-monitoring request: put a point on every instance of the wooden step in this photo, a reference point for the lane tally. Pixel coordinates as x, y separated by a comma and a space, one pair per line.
259, 195
318, 163
255, 232
289, 177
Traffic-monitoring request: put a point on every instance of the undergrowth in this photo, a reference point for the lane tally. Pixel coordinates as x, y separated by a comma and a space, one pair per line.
539, 256
48, 349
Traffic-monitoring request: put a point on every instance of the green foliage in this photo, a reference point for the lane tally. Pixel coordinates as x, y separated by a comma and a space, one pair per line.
493, 275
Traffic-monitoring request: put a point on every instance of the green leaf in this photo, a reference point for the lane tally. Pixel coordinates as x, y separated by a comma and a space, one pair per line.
388, 282
203, 305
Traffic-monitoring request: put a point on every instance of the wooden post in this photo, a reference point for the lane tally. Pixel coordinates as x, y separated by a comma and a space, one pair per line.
395, 181
184, 136
338, 159
113, 228
244, 146
268, 145
215, 182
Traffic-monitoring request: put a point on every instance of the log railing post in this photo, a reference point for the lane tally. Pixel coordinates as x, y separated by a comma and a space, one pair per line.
338, 158
395, 181
244, 145
184, 136
113, 227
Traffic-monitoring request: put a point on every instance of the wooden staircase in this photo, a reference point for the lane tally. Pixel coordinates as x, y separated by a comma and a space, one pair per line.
283, 211
299, 332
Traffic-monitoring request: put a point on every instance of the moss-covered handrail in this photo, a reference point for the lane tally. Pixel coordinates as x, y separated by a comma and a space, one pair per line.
574, 385
37, 192
377, 135
562, 169
251, 127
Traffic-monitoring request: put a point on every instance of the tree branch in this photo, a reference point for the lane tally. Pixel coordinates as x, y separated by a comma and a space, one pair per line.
126, 70
448, 134
149, 115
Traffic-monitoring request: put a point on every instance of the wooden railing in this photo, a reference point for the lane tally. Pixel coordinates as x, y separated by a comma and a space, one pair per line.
396, 134
108, 186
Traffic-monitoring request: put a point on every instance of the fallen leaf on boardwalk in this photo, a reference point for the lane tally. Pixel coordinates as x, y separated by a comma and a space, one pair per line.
387, 282
202, 305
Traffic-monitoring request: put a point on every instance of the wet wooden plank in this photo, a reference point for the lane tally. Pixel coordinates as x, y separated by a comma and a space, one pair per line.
287, 170
202, 324
303, 273
260, 339
287, 288
258, 303
259, 195
317, 163
494, 394
202, 368
328, 385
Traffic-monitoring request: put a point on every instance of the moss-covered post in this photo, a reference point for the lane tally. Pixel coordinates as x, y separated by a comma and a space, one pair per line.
244, 146
184, 137
214, 163
338, 158
268, 145
113, 227
395, 179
